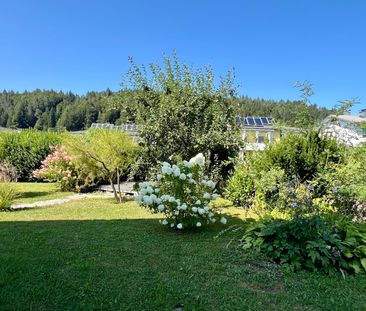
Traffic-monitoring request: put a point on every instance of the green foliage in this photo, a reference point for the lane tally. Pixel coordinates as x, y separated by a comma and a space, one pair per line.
7, 195
108, 154
183, 112
283, 176
299, 243
355, 247
26, 149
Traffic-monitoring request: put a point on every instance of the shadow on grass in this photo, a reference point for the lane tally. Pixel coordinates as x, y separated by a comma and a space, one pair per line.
138, 264
34, 194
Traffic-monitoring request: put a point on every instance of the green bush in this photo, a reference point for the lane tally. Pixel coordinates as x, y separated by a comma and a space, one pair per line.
26, 149
299, 243
7, 195
312, 243
283, 174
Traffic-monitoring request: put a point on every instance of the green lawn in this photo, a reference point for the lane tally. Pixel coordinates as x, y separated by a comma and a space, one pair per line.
97, 255
32, 192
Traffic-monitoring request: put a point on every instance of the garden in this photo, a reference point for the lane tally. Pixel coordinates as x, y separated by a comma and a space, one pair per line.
211, 227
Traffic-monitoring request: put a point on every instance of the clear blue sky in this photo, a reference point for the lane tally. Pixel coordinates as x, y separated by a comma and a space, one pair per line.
84, 45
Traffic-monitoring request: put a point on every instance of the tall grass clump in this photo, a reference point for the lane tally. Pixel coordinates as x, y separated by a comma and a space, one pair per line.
7, 195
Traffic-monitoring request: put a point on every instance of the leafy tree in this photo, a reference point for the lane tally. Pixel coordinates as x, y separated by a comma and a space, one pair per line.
108, 153
183, 112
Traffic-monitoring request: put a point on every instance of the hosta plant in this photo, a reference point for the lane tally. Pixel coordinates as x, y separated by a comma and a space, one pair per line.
183, 194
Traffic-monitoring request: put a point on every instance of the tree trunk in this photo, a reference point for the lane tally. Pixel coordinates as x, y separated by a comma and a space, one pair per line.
119, 184
114, 189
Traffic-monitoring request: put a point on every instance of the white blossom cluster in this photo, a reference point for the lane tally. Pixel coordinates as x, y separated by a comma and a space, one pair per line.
343, 135
182, 193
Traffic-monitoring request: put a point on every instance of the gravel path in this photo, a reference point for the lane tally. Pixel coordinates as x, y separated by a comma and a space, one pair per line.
62, 200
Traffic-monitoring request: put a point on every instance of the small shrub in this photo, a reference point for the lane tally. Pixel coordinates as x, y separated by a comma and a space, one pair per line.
183, 194
303, 242
7, 195
8, 172
62, 168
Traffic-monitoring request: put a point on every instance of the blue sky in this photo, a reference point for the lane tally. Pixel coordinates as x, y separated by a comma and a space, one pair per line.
84, 45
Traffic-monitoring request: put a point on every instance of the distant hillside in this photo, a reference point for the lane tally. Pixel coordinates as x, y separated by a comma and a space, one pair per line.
44, 109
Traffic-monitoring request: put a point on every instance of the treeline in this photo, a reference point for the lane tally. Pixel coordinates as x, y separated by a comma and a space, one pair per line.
48, 109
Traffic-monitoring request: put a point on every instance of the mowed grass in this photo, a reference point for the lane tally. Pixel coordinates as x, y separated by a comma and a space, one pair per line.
98, 255
33, 192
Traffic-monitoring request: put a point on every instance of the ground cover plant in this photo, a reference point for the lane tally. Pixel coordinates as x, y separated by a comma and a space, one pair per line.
7, 195
95, 254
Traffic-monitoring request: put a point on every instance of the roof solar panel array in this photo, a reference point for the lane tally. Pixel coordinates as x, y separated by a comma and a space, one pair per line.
254, 121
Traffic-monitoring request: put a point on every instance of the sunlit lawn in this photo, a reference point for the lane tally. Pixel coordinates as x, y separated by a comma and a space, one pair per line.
32, 192
98, 255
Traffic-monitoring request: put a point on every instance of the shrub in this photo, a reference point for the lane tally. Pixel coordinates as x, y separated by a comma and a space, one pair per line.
298, 243
26, 149
7, 195
182, 193
8, 172
286, 174
62, 168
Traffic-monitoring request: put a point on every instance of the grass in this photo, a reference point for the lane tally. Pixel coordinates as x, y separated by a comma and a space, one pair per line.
97, 255
33, 192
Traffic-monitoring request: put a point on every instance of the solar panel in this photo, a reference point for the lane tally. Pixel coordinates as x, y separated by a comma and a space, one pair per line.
264, 121
270, 120
250, 121
258, 122
244, 121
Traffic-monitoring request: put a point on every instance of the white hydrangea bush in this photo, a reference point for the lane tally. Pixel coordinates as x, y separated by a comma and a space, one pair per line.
182, 193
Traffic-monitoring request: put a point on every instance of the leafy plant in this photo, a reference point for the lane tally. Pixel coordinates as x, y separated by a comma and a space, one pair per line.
355, 247
303, 242
182, 193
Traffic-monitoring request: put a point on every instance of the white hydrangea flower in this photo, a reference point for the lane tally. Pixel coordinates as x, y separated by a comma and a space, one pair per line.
198, 202
223, 220
176, 213
201, 211
164, 222
143, 191
198, 159
176, 172
194, 209
206, 208
161, 207
182, 176
183, 206
157, 200
210, 184
180, 226
213, 220
215, 196
187, 164
210, 215
192, 181
139, 199
157, 190
147, 200
166, 170
149, 189
198, 224
172, 225
171, 199
206, 195
158, 177
153, 198
189, 175
166, 164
